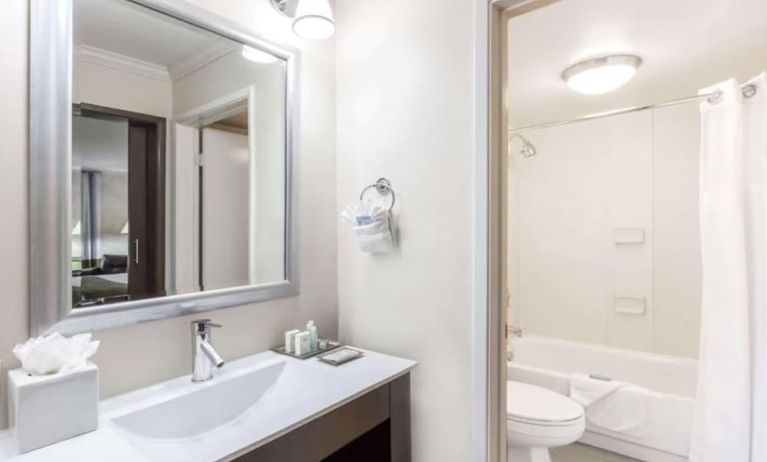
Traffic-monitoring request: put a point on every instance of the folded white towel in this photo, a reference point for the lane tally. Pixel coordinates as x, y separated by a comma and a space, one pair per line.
587, 390
372, 226
610, 405
376, 237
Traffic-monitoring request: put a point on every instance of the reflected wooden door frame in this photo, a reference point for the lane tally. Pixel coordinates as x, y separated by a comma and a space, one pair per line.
147, 151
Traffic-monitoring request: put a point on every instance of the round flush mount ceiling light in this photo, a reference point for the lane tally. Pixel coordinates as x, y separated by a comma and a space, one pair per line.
314, 20
601, 75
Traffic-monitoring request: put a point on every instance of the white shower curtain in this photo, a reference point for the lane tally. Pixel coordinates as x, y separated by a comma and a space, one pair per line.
731, 412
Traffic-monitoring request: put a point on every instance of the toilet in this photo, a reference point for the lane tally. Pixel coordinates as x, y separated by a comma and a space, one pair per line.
538, 419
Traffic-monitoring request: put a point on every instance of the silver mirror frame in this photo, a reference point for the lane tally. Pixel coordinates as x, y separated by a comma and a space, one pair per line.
50, 146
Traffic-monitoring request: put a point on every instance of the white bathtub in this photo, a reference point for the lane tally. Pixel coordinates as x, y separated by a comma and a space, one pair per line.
549, 362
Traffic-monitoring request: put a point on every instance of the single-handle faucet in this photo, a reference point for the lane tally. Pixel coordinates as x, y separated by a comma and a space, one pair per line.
203, 354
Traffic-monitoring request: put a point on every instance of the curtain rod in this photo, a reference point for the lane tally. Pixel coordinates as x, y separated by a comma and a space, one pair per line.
713, 98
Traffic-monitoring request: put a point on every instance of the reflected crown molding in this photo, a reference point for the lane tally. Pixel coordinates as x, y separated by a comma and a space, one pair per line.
120, 62
101, 57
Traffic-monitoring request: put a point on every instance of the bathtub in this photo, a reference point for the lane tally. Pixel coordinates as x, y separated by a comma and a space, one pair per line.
671, 381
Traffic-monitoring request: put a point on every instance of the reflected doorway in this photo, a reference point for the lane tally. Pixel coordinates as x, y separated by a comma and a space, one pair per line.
118, 206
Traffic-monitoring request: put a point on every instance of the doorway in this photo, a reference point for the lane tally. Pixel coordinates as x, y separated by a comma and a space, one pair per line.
491, 291
118, 235
224, 183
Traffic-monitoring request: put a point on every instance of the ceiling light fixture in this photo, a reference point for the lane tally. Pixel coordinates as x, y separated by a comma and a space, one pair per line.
601, 75
312, 19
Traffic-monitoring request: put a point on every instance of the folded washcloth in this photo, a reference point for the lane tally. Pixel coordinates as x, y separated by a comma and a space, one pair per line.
610, 405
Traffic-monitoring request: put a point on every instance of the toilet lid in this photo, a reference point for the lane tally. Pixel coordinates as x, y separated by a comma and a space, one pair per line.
531, 403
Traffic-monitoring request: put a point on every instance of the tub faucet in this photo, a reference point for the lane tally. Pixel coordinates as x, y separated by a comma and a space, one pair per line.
204, 356
513, 330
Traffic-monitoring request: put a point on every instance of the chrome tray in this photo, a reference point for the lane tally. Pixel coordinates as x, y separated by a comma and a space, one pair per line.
331, 346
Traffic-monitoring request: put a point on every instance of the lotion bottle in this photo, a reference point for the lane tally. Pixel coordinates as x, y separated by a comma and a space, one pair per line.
313, 338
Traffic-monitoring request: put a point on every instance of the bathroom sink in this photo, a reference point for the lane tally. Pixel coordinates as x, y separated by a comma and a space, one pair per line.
247, 403
201, 408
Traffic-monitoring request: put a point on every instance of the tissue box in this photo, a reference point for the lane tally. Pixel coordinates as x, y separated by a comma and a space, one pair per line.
47, 409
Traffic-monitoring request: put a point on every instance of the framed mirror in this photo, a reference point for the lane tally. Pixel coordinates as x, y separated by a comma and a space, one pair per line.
162, 142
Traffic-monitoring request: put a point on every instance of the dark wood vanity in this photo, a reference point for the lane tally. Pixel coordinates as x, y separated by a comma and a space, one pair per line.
374, 427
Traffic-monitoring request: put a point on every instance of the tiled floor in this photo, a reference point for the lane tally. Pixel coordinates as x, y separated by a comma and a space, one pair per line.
582, 453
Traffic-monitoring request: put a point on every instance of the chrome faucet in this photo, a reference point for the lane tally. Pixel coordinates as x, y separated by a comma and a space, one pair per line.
204, 356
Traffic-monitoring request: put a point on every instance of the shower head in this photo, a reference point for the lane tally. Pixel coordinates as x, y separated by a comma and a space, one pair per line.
526, 148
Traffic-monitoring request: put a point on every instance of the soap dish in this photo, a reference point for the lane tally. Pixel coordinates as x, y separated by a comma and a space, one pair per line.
331, 346
341, 356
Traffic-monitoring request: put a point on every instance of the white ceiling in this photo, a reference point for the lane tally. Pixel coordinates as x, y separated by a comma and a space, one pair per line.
685, 45
126, 29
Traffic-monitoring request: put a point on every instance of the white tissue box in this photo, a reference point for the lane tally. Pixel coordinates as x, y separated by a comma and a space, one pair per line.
47, 409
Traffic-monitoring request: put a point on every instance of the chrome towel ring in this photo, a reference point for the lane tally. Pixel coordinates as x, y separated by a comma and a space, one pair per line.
383, 187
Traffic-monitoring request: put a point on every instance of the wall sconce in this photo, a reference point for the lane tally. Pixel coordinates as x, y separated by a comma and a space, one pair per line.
312, 19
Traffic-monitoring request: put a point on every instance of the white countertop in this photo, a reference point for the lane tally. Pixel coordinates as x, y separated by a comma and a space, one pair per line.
291, 402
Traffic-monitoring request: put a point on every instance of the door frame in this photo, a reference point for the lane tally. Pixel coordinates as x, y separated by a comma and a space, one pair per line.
488, 285
197, 118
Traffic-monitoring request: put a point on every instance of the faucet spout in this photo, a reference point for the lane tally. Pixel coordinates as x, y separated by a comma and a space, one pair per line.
204, 355
212, 354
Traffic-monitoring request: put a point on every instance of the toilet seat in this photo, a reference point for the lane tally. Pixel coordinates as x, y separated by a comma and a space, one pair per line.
533, 405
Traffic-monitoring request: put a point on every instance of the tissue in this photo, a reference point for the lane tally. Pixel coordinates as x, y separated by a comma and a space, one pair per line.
55, 353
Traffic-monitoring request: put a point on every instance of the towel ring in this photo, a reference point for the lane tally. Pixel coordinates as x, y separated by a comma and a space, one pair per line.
383, 187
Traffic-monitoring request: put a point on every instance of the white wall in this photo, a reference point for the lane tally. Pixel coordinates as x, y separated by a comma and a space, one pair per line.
677, 278
137, 356
588, 179
404, 103
105, 86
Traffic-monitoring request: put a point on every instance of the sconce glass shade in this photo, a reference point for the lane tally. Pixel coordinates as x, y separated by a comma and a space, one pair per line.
314, 20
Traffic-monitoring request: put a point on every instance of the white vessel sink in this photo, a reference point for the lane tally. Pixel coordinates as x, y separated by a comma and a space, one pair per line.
205, 407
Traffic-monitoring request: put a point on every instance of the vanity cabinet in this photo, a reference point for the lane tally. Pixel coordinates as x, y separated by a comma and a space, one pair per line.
374, 427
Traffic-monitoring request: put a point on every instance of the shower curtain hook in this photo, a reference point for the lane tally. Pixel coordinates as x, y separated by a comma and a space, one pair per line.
716, 98
749, 90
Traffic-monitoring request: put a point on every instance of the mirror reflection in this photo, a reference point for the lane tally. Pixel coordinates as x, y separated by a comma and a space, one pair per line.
178, 158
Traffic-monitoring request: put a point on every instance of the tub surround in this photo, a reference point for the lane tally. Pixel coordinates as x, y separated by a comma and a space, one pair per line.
293, 395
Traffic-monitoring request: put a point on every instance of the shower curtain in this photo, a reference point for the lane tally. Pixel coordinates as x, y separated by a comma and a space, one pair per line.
731, 410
